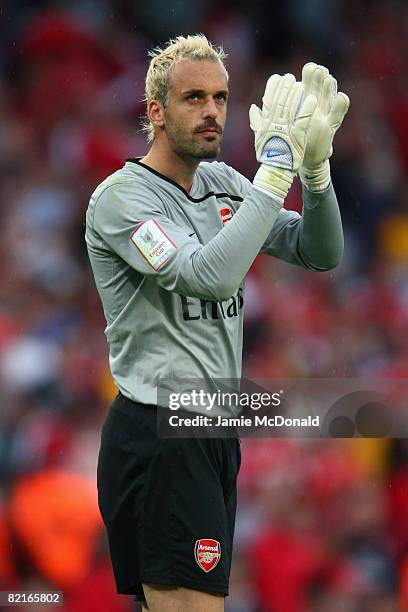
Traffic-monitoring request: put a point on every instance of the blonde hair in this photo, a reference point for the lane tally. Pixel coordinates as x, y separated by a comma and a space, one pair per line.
162, 63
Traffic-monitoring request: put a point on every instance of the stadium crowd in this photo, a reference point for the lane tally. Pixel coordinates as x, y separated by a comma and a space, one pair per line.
322, 523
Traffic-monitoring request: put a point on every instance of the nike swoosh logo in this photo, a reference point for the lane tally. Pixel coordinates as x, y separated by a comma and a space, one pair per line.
269, 154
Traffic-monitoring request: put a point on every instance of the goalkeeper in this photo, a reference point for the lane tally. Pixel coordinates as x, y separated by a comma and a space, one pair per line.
170, 239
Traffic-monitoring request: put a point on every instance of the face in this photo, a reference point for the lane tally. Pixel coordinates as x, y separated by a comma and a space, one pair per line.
194, 117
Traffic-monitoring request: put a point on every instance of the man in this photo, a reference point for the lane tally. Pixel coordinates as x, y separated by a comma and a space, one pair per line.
170, 239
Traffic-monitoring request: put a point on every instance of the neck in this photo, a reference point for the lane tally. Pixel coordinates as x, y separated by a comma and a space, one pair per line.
166, 161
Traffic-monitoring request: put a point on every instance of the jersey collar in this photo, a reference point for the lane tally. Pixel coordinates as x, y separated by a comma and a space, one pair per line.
136, 160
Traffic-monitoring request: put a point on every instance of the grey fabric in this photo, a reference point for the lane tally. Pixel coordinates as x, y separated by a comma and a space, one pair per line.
182, 317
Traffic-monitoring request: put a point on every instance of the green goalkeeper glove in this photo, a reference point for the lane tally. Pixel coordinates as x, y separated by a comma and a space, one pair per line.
280, 133
326, 120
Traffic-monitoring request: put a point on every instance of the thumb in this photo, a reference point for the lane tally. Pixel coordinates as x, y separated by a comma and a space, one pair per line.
307, 108
301, 107
338, 110
303, 117
255, 117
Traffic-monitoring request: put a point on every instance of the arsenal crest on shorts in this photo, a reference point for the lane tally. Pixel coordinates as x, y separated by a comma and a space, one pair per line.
207, 553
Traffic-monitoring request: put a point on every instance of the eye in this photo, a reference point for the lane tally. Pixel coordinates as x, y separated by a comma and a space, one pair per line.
193, 96
221, 96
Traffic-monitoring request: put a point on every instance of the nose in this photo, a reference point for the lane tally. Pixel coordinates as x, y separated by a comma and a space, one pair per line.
210, 109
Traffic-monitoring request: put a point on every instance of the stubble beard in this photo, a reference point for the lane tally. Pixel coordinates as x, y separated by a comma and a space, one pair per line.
186, 145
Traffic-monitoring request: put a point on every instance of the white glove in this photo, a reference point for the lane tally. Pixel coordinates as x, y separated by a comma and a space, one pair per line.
280, 133
326, 120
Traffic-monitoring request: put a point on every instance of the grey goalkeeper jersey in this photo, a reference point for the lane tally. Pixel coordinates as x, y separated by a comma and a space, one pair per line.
170, 266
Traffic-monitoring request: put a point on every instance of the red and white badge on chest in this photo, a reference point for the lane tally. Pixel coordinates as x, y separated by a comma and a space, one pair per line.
226, 215
207, 553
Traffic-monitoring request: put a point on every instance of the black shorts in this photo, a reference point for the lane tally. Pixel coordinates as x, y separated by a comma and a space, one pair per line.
168, 504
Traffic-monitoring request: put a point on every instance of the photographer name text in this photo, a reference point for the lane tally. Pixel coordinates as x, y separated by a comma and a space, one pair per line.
253, 421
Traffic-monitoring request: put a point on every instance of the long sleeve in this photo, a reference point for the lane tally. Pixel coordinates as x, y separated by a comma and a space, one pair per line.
155, 246
321, 241
314, 239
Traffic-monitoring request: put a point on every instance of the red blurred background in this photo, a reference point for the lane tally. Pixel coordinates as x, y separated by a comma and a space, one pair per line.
322, 524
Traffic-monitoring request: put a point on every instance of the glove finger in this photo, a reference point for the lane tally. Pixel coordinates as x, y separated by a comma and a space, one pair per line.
255, 117
271, 91
338, 110
329, 89
307, 76
318, 79
288, 83
326, 71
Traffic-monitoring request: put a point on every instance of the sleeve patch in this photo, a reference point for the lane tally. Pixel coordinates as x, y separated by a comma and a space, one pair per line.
155, 246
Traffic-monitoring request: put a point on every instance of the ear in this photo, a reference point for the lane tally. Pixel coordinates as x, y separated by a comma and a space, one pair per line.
156, 113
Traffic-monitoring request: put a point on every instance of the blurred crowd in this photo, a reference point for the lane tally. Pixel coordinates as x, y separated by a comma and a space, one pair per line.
322, 524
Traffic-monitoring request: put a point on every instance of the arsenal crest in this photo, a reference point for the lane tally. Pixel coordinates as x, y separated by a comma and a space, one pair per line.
226, 215
207, 553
